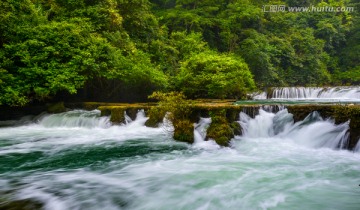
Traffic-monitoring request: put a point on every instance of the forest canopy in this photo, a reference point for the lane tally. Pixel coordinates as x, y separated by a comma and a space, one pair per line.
106, 49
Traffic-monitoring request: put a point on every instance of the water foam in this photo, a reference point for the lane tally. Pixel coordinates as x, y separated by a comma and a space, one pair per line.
330, 93
357, 147
77, 127
75, 118
200, 129
313, 131
131, 166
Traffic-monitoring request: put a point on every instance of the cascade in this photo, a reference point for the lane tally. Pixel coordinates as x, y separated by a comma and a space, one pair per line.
58, 163
200, 129
313, 131
357, 147
260, 126
75, 118
139, 120
310, 93
127, 118
283, 120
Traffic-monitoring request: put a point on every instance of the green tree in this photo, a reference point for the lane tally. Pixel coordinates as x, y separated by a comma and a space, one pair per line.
53, 57
256, 50
349, 71
171, 51
213, 75
309, 64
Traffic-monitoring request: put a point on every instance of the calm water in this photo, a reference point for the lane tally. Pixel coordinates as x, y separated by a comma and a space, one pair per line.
78, 160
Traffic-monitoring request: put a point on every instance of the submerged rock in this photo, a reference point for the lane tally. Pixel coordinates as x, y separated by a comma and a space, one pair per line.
155, 118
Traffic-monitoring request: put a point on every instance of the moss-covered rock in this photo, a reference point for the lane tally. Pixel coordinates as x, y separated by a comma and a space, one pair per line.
220, 129
56, 107
232, 114
235, 126
105, 112
156, 116
132, 112
301, 111
116, 113
184, 131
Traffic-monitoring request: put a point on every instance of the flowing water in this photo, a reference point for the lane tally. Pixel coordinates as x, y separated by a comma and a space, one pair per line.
78, 160
349, 94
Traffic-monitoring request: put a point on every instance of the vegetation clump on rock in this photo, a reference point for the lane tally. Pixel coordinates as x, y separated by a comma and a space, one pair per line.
175, 108
220, 130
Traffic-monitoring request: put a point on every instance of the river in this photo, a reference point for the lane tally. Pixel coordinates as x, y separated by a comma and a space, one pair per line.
79, 160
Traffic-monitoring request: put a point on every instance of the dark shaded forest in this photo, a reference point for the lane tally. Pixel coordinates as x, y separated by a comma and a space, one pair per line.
123, 50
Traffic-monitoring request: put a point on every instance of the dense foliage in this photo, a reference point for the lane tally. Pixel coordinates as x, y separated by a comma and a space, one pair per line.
220, 49
209, 74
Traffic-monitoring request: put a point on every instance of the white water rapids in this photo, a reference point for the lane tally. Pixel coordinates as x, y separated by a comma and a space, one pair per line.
313, 131
78, 160
351, 93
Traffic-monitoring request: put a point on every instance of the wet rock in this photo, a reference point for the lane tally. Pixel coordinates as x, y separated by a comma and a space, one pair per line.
56, 107
220, 130
184, 131
235, 126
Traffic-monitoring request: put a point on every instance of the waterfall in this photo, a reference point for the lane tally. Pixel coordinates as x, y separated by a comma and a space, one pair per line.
260, 126
127, 118
63, 167
87, 119
200, 129
75, 118
259, 95
339, 93
283, 120
139, 120
357, 147
313, 131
